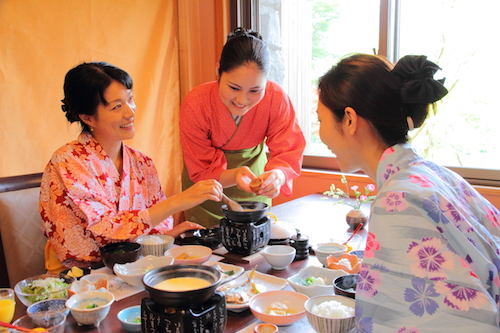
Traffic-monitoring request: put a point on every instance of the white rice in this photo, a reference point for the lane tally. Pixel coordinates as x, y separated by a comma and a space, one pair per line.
152, 240
332, 309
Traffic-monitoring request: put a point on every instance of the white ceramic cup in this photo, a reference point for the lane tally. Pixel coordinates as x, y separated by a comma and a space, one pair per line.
278, 256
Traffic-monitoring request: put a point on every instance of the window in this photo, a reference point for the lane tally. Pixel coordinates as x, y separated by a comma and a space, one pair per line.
307, 37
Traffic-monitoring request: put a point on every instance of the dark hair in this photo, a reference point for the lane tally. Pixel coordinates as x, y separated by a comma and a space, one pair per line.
84, 88
368, 84
244, 46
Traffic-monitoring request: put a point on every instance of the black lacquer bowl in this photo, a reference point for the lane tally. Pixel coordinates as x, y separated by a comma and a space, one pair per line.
181, 299
254, 211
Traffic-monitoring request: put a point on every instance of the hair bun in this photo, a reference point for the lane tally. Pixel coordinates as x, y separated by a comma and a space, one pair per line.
419, 85
238, 32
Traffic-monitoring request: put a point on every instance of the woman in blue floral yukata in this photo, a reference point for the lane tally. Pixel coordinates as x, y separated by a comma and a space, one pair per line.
432, 258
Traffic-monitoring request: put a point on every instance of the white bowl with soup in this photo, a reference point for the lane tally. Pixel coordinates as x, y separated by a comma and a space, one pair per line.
182, 285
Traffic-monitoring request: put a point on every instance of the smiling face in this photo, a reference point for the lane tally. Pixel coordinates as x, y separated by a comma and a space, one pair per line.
242, 88
114, 122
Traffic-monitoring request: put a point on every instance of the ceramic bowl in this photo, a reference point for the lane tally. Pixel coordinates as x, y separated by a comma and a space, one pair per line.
342, 323
155, 245
29, 298
323, 250
133, 272
266, 328
254, 211
83, 307
298, 281
346, 285
130, 318
262, 304
51, 321
56, 304
279, 256
189, 254
120, 253
185, 298
208, 237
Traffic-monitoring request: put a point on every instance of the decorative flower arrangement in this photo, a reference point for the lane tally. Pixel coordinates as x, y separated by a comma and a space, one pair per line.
337, 193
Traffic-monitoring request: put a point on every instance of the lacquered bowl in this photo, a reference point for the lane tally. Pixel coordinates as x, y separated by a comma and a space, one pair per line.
120, 253
254, 211
182, 299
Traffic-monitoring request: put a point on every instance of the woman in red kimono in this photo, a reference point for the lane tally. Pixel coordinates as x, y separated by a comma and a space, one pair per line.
96, 190
226, 125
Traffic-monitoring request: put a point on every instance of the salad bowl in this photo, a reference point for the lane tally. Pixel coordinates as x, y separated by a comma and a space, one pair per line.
43, 286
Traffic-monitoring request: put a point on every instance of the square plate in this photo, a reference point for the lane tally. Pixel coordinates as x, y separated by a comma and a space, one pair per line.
226, 268
263, 282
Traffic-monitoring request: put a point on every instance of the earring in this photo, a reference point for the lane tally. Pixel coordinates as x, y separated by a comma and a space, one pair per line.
91, 129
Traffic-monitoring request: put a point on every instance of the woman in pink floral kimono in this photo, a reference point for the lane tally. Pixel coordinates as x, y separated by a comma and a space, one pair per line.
96, 190
432, 258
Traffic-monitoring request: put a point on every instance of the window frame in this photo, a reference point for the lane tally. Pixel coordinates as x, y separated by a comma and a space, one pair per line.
246, 13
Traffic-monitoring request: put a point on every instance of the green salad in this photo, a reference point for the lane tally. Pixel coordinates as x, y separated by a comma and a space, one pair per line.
47, 288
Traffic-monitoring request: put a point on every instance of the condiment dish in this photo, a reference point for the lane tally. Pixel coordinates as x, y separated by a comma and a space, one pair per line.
130, 318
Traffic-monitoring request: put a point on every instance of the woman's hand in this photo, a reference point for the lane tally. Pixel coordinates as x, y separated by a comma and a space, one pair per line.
183, 227
271, 183
202, 191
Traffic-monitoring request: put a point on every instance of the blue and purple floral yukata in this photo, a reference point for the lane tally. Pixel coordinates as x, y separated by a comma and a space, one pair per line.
432, 258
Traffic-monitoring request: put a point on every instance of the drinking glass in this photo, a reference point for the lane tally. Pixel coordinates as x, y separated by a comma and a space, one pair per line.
7, 304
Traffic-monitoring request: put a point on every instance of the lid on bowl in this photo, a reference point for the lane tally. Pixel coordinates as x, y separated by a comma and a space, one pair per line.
282, 230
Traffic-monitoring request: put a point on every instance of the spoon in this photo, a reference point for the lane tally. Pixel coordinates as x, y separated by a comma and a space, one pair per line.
231, 204
358, 228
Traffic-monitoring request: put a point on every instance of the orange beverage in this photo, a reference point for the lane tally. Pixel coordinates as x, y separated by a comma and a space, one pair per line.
7, 305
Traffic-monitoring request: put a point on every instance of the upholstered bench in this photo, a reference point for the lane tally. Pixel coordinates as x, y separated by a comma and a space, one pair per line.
20, 229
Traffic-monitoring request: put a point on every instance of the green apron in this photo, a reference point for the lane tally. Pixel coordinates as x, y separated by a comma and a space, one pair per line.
209, 213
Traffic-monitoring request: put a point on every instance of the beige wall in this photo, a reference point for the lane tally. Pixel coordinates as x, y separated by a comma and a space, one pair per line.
42, 40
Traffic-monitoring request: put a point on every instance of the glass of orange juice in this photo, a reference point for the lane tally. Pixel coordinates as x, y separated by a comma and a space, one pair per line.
7, 304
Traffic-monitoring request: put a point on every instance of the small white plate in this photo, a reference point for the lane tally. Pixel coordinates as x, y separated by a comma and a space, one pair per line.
264, 282
225, 268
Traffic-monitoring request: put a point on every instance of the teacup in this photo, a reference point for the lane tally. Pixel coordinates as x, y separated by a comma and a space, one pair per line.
279, 256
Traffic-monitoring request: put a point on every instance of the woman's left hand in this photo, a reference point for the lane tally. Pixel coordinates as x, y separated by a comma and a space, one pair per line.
183, 227
271, 183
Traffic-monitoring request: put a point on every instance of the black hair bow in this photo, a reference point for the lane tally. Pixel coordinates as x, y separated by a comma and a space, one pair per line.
419, 85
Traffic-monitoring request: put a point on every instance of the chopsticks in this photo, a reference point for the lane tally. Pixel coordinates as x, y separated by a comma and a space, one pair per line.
358, 228
16, 327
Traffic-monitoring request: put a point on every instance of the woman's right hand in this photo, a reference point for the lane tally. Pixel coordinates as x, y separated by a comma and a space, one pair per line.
202, 191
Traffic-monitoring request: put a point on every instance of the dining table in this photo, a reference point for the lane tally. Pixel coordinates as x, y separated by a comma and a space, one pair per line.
316, 216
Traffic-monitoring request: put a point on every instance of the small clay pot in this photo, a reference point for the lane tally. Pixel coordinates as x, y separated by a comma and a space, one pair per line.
354, 217
255, 185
